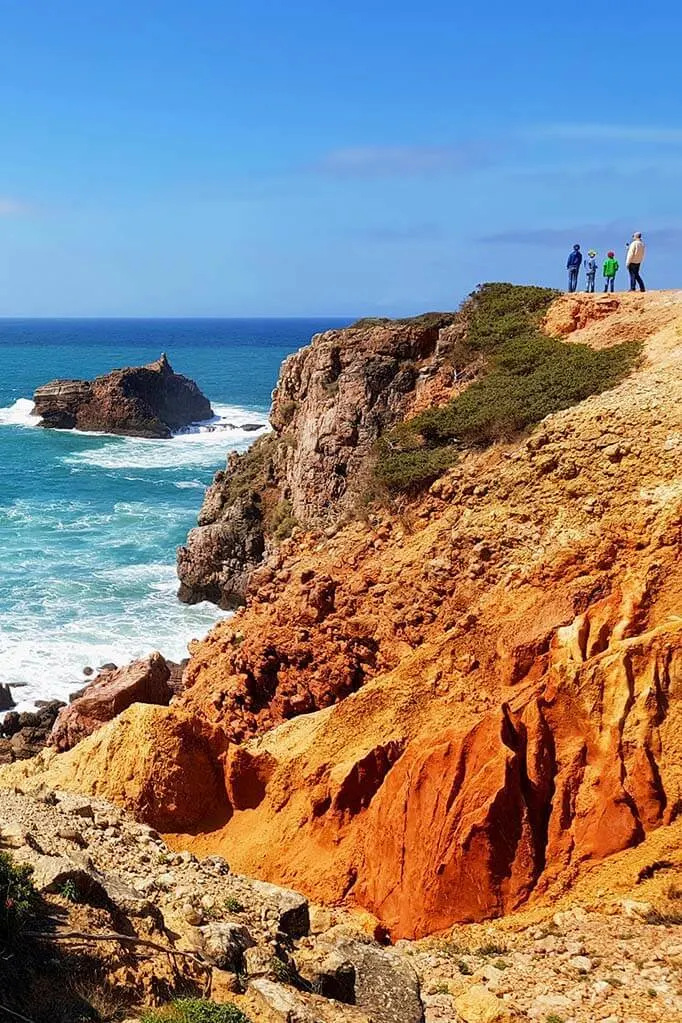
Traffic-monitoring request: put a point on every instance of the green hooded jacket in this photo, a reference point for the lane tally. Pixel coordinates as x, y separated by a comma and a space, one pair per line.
610, 267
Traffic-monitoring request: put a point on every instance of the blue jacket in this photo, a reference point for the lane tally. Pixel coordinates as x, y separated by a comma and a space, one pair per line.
590, 265
574, 260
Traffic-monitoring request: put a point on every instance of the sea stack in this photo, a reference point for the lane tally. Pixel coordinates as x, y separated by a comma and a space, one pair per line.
139, 401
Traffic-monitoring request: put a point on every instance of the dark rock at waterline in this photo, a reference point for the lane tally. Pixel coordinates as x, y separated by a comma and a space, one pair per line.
24, 735
10, 724
140, 401
6, 699
88, 671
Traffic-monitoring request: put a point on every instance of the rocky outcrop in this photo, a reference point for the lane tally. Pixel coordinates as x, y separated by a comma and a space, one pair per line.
145, 681
143, 401
333, 401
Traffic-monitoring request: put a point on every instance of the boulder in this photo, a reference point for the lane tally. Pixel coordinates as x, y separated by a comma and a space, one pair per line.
143, 681
52, 873
287, 1005
141, 401
386, 985
328, 973
478, 1005
224, 944
127, 899
291, 908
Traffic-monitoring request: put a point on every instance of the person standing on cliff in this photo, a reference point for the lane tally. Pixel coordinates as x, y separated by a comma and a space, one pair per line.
610, 271
590, 270
634, 260
573, 266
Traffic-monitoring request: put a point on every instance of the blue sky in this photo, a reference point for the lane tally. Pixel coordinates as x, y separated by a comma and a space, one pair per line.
308, 158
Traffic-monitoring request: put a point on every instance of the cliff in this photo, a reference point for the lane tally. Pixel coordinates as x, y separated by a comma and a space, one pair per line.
464, 698
333, 401
142, 401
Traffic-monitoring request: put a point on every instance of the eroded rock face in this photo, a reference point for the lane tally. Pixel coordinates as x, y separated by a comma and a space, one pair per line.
145, 681
333, 401
143, 401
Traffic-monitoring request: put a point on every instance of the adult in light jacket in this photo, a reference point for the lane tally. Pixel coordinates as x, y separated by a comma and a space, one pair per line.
634, 260
573, 266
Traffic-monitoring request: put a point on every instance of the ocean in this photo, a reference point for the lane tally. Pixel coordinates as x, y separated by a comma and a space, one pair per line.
89, 523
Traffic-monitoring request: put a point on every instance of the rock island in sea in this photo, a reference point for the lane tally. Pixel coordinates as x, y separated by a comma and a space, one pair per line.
140, 401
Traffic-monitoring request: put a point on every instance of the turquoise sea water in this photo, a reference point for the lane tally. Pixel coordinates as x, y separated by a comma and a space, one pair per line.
89, 523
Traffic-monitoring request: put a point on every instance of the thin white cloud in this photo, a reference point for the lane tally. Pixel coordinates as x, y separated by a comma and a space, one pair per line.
645, 134
400, 161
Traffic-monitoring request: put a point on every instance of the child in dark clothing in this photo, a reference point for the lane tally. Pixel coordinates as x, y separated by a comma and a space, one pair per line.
573, 263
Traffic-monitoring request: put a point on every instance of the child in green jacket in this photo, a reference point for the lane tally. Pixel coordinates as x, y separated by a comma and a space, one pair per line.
610, 271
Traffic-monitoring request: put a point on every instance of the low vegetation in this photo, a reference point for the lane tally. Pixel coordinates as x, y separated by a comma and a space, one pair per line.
524, 376
282, 521
18, 898
252, 470
195, 1010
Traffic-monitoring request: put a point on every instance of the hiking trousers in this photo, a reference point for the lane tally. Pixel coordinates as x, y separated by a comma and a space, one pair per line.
635, 279
572, 278
609, 283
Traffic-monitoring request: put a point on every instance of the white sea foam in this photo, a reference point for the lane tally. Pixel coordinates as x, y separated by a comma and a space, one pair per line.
47, 662
19, 414
72, 605
202, 444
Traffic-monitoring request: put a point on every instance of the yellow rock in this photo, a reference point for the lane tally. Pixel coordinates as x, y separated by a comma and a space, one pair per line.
478, 1005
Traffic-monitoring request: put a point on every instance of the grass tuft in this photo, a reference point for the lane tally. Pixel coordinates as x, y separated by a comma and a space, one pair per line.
195, 1010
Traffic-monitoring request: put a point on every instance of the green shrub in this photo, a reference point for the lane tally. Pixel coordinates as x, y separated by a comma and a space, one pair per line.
527, 376
498, 313
407, 470
18, 897
252, 470
491, 949
233, 905
281, 970
195, 1010
282, 520
69, 891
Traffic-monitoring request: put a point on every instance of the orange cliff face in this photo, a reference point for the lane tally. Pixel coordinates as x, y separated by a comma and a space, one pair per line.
444, 716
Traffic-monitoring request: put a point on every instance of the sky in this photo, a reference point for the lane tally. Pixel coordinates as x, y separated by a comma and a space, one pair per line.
308, 158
